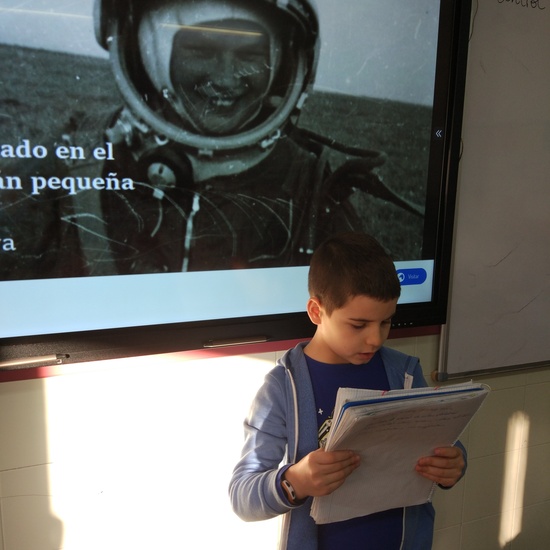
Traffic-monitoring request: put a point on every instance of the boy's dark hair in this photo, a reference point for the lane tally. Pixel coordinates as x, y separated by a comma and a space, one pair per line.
348, 265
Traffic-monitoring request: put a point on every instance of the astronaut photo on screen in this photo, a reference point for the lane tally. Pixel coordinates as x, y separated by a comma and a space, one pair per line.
224, 179
207, 118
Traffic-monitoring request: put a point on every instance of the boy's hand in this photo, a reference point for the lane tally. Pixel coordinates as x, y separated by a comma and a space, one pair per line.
321, 472
444, 467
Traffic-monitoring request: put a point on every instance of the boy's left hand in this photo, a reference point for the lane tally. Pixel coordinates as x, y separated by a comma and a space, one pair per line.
444, 467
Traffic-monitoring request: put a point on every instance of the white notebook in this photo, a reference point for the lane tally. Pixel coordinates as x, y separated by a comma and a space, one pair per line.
391, 430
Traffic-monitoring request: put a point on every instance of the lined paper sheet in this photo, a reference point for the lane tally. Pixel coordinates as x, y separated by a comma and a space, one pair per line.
391, 431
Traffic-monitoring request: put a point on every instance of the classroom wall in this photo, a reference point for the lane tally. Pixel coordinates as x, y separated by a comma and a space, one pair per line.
136, 453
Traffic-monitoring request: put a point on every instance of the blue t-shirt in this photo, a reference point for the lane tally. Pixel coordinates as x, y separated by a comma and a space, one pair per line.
381, 531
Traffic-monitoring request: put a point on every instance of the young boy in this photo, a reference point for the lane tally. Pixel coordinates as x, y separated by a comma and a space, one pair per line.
353, 289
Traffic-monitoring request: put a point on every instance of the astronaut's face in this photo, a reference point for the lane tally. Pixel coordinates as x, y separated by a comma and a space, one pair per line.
221, 72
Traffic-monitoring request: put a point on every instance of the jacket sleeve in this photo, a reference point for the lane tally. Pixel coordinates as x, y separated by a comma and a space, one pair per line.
252, 489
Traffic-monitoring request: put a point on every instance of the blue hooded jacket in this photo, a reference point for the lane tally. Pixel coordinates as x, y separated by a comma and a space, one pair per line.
281, 428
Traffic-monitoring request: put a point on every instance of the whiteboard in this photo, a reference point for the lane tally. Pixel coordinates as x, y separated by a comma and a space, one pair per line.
500, 288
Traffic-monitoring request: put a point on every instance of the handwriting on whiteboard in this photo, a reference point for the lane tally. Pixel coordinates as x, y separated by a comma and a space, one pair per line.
534, 4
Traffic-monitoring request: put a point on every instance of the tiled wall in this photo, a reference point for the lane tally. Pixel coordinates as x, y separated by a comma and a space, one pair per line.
137, 454
504, 500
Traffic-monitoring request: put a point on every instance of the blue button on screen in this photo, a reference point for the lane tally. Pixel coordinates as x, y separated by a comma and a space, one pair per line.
413, 276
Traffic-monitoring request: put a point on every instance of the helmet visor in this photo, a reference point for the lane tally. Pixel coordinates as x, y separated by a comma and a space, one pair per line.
216, 72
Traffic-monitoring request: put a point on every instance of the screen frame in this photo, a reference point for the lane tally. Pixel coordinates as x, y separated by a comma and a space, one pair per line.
223, 333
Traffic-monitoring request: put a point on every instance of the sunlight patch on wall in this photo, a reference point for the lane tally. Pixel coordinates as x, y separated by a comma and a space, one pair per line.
514, 478
141, 452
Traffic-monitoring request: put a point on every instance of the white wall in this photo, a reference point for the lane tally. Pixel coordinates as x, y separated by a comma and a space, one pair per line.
137, 454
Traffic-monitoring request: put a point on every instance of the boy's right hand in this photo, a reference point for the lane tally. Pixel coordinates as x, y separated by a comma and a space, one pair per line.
321, 472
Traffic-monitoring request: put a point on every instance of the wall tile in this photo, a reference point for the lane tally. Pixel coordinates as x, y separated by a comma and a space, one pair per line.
427, 348
537, 376
537, 406
33, 480
502, 381
448, 506
537, 479
28, 520
447, 539
534, 531
23, 426
483, 534
484, 485
489, 428
2, 547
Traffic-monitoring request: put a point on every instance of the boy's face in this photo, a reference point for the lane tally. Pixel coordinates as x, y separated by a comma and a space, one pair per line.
352, 333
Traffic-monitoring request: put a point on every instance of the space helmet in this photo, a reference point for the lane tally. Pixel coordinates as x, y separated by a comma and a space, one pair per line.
140, 38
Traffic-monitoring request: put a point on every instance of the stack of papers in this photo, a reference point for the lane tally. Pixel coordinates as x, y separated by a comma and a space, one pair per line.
391, 430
